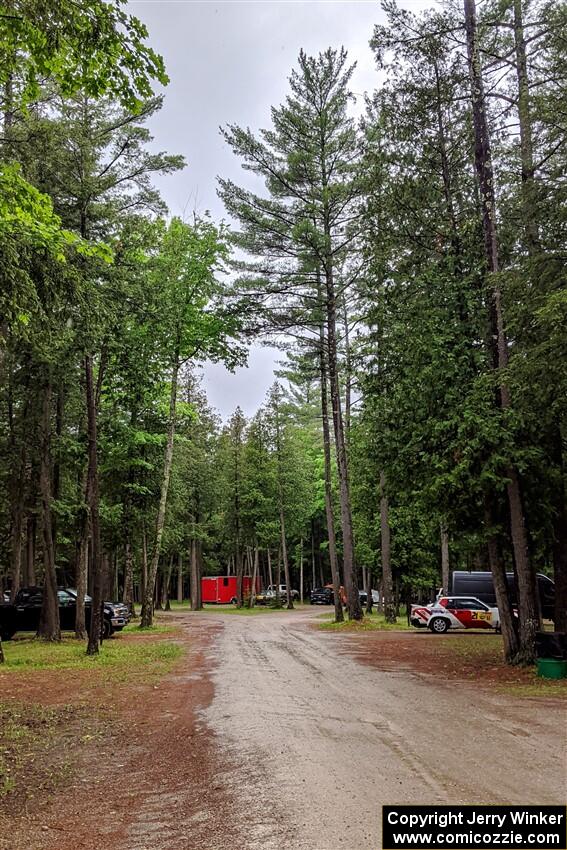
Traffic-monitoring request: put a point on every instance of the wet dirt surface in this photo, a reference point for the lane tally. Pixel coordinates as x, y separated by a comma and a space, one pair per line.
271, 734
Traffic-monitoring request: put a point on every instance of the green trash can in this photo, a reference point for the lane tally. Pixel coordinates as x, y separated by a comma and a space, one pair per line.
552, 668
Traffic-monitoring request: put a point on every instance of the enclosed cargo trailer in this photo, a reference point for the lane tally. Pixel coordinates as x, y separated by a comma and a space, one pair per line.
221, 590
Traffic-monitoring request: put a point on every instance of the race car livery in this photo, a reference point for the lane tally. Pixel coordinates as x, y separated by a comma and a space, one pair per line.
455, 612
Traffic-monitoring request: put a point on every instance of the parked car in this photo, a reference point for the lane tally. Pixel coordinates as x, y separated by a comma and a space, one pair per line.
375, 597
322, 596
481, 586
24, 614
265, 597
455, 612
114, 611
282, 590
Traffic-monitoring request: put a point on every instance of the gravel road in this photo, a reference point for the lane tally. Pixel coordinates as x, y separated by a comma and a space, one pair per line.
324, 741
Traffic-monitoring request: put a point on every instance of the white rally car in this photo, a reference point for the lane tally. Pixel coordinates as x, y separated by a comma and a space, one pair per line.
455, 612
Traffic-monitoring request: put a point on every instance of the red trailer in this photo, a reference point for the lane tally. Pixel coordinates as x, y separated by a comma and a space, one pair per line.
222, 589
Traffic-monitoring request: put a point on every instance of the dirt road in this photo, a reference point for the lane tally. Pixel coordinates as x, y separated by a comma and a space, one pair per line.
271, 735
329, 740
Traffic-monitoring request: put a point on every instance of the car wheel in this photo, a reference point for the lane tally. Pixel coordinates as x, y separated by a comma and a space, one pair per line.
439, 625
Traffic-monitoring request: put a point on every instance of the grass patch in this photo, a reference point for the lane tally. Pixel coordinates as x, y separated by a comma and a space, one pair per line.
539, 687
28, 762
232, 609
156, 629
117, 658
374, 622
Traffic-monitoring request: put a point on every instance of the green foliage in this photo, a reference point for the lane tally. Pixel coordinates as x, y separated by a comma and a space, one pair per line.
95, 47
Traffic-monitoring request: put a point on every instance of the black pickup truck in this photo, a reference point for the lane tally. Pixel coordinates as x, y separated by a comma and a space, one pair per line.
22, 615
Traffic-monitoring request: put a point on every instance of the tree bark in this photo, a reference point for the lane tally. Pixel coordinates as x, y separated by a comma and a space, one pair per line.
313, 575
281, 505
385, 548
444, 557
350, 583
148, 601
301, 570
180, 578
144, 575
93, 506
270, 577
49, 626
368, 588
30, 543
501, 589
128, 590
252, 599
81, 578
528, 187
165, 589
335, 575
348, 375
526, 590
196, 604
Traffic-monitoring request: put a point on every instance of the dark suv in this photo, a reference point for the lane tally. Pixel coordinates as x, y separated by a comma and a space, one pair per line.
24, 613
321, 596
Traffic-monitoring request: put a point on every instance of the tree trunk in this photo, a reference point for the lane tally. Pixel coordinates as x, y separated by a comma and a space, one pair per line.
49, 627
270, 577
252, 599
444, 557
81, 576
284, 555
348, 375
313, 563
196, 604
350, 583
526, 590
93, 505
368, 587
335, 575
301, 571
144, 575
165, 589
281, 505
180, 578
128, 590
17, 529
529, 199
30, 546
385, 548
279, 578
148, 601
501, 589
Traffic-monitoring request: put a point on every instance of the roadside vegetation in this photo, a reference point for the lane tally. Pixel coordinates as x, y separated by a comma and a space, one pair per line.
122, 657
376, 621
57, 703
471, 658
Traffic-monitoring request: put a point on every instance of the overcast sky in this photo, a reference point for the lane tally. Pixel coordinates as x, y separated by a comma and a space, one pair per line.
229, 62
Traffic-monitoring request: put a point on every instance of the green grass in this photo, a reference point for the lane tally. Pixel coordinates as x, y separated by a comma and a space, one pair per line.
156, 629
374, 622
539, 687
232, 609
26, 736
116, 658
